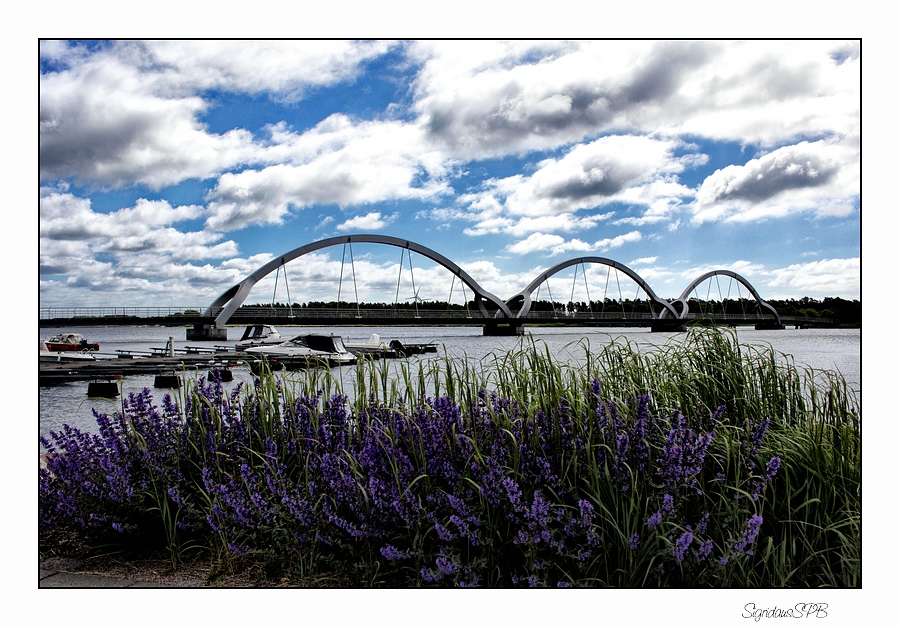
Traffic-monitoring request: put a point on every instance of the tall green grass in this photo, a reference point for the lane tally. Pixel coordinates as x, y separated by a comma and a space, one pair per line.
514, 469
813, 510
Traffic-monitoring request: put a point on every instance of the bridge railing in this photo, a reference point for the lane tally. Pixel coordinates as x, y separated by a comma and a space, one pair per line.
50, 313
312, 313
250, 313
287, 314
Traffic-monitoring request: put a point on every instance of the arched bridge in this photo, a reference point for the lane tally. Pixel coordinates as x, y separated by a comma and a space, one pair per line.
226, 304
500, 316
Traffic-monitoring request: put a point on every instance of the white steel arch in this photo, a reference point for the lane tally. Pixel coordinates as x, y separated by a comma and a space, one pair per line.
683, 299
526, 293
232, 298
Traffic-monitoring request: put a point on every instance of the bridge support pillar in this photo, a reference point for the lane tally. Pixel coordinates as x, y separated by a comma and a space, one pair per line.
495, 329
201, 332
667, 324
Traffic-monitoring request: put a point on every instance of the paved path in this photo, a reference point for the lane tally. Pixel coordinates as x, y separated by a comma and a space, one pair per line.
70, 573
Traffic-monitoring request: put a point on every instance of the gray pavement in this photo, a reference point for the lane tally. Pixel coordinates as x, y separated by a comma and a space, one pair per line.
70, 573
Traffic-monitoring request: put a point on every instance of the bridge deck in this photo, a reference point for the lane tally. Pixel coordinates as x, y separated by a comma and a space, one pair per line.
376, 317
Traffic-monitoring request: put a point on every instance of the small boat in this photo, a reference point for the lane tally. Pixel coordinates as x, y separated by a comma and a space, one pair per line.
306, 350
46, 356
70, 342
407, 350
374, 347
258, 335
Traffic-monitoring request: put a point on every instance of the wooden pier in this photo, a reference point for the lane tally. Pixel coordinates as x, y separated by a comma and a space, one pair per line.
160, 362
126, 364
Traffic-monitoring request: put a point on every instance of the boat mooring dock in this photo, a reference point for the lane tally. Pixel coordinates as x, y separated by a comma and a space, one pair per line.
161, 362
108, 369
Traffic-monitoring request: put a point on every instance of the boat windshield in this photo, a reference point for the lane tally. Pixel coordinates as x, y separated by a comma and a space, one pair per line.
320, 343
257, 331
67, 338
324, 343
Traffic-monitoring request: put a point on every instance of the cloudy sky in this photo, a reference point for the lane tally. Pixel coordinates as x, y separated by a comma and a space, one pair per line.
170, 170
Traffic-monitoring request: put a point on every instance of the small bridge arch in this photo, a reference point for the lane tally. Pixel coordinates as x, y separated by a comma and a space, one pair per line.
525, 294
232, 298
683, 299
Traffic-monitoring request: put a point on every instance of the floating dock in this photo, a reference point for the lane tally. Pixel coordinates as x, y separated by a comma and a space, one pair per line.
156, 361
62, 372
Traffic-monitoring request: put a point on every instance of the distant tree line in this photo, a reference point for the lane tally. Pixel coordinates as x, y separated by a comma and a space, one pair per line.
841, 311
844, 312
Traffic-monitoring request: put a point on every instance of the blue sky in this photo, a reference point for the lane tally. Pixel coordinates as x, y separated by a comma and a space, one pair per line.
171, 170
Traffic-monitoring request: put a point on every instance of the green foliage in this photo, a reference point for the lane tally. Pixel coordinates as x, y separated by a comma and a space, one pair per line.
702, 462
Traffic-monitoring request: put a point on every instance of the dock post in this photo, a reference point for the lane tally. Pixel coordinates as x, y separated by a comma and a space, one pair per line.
667, 324
101, 389
495, 329
201, 332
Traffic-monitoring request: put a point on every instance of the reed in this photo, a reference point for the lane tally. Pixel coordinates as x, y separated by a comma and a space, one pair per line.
703, 462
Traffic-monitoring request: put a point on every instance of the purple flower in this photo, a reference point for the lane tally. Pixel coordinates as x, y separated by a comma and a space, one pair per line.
634, 541
668, 504
392, 553
772, 468
445, 566
443, 533
701, 526
751, 531
682, 544
704, 550
587, 511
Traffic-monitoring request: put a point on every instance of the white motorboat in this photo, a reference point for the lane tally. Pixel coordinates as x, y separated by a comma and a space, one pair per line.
374, 346
46, 356
306, 350
259, 335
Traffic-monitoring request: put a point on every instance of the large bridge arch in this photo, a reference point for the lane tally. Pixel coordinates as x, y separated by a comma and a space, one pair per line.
683, 299
525, 294
232, 298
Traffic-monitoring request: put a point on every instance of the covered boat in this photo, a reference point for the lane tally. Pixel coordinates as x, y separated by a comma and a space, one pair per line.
259, 335
70, 342
306, 350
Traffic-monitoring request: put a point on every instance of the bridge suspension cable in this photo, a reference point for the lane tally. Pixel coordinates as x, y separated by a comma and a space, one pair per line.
412, 277
287, 287
465, 297
341, 280
552, 302
586, 290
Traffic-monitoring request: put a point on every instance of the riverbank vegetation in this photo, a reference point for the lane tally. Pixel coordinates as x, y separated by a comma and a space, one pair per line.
701, 463
831, 311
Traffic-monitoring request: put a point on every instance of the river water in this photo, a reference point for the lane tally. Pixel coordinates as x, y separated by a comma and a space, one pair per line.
824, 349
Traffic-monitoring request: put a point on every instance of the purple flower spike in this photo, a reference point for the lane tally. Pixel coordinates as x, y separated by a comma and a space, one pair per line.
392, 553
772, 468
704, 550
682, 544
751, 531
